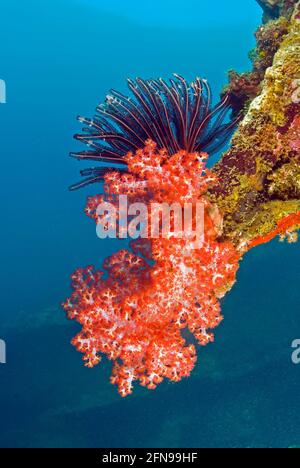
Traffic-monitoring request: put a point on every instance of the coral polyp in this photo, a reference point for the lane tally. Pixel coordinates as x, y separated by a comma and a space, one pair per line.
177, 115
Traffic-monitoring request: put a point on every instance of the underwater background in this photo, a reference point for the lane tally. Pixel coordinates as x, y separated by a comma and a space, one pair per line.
58, 60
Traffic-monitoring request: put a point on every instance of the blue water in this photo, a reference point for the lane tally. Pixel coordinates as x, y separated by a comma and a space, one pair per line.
58, 59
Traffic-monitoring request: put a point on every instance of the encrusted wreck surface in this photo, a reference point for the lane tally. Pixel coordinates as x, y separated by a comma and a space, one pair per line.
259, 177
275, 8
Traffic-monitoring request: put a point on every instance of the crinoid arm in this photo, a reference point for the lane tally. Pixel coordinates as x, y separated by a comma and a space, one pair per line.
176, 115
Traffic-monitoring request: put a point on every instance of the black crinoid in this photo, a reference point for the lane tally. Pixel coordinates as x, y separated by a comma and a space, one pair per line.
175, 115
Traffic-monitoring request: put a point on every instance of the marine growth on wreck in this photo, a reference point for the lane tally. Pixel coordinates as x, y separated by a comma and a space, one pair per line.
155, 302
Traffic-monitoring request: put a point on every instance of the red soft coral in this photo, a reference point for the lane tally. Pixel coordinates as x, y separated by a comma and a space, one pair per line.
136, 315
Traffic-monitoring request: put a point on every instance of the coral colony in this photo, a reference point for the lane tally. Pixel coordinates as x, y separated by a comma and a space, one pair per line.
137, 314
154, 302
